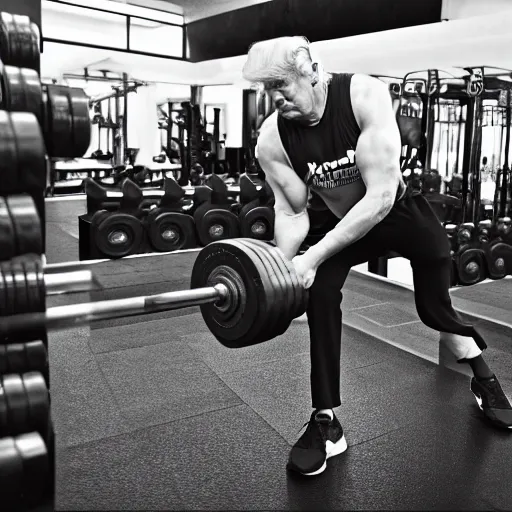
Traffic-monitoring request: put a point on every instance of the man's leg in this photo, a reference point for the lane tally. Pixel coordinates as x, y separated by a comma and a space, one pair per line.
416, 233
324, 437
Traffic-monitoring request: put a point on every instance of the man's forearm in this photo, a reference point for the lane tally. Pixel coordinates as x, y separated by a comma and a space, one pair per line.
355, 225
290, 231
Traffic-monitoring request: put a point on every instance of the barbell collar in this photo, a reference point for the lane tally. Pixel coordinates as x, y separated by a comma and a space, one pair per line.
75, 315
67, 282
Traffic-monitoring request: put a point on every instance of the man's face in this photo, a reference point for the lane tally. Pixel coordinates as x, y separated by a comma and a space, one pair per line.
293, 99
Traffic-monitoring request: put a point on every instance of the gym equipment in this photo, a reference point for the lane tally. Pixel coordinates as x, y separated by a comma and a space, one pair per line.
24, 470
469, 258
168, 227
24, 285
24, 405
243, 286
19, 41
31, 356
257, 217
451, 232
214, 219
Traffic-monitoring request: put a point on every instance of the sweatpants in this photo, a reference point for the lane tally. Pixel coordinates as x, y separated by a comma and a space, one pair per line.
412, 230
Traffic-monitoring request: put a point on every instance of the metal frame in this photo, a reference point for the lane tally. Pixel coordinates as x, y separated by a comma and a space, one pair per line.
128, 32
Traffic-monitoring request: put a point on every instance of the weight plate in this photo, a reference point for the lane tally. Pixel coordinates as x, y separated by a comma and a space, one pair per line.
4, 361
9, 290
26, 223
4, 297
17, 404
36, 46
301, 293
118, 235
250, 216
7, 242
470, 267
11, 471
36, 467
13, 95
276, 293
170, 231
33, 301
215, 225
9, 178
38, 402
16, 358
18, 272
24, 40
59, 139
499, 260
36, 356
79, 103
33, 93
238, 326
31, 154
9, 48
41, 288
287, 285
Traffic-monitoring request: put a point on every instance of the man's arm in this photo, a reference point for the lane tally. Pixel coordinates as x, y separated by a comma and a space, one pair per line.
291, 224
378, 159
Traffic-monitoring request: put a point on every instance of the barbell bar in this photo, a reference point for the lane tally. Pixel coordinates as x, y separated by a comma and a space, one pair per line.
240, 285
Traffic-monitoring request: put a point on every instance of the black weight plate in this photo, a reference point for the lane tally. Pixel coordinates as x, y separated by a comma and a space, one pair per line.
33, 294
499, 260
262, 214
16, 358
9, 290
31, 154
216, 225
33, 93
37, 356
26, 223
4, 361
17, 404
59, 139
7, 241
79, 103
11, 472
36, 467
9, 48
9, 178
20, 281
36, 46
242, 328
4, 413
13, 94
125, 225
4, 298
41, 288
171, 223
24, 39
38, 402
470, 267
279, 305
288, 289
301, 294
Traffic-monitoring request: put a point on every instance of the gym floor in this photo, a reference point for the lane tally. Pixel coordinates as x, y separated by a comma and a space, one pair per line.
151, 412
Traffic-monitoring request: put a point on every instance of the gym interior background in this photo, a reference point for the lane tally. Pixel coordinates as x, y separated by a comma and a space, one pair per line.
145, 157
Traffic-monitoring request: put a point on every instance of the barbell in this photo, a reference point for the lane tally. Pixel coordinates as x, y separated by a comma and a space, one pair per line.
248, 293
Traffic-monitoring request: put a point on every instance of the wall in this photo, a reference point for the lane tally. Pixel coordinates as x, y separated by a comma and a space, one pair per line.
232, 33
458, 9
213, 9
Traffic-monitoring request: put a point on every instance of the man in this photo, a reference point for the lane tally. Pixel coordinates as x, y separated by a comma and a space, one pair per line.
336, 135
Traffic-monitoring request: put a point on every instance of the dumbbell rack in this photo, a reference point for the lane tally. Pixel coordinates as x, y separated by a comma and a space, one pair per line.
37, 122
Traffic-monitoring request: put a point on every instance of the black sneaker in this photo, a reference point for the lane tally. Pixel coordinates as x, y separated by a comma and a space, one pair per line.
492, 401
322, 439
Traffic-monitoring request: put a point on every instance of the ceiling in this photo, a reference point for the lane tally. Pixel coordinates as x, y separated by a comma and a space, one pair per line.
197, 9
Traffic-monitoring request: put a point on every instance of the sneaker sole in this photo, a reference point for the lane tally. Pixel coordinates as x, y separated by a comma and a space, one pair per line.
332, 450
479, 401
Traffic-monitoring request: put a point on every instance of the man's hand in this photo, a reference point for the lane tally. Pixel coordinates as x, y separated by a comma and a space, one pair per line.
305, 269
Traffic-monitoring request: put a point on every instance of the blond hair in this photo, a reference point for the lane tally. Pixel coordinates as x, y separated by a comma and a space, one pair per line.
278, 59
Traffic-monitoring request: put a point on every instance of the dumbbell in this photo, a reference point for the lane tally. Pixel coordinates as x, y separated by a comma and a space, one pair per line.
59, 113
25, 471
469, 256
30, 356
214, 219
168, 225
257, 216
24, 284
498, 252
451, 231
24, 405
19, 41
120, 233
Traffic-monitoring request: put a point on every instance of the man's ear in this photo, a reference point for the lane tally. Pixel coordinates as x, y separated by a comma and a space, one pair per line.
314, 80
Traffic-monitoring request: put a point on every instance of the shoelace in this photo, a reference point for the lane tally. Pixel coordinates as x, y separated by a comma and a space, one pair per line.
496, 397
309, 433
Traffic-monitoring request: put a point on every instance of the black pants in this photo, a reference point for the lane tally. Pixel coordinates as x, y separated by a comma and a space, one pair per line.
411, 229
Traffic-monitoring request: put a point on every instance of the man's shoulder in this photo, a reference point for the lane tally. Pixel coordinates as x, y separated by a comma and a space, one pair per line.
268, 139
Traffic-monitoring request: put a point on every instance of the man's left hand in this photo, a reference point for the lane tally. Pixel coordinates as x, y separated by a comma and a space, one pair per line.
305, 270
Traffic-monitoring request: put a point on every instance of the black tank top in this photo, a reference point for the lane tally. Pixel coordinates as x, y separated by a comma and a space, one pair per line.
323, 156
